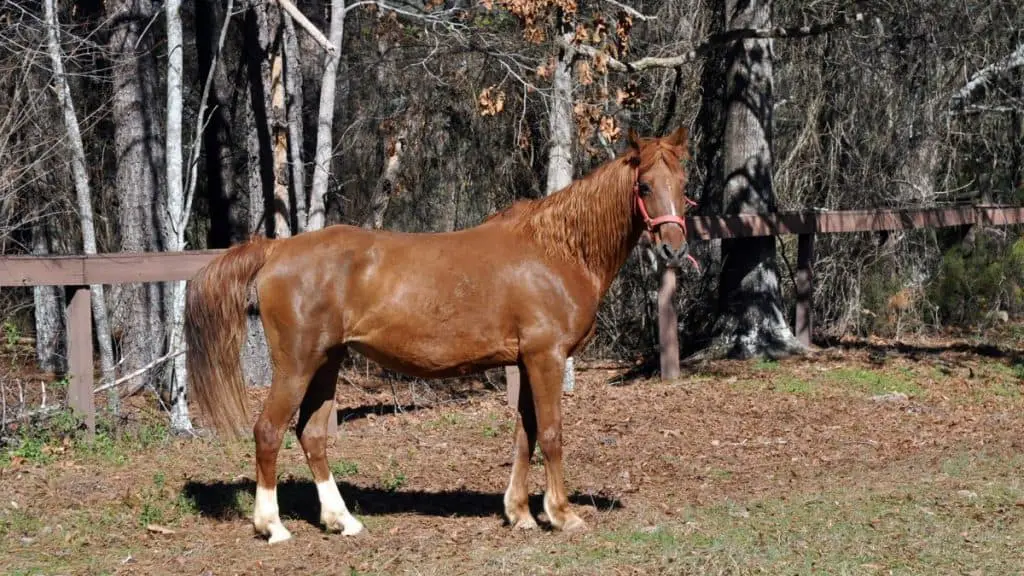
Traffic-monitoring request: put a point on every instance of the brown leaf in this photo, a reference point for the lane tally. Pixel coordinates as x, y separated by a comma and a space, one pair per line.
586, 77
158, 529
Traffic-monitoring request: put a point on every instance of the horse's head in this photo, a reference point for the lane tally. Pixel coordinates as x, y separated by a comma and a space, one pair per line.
659, 192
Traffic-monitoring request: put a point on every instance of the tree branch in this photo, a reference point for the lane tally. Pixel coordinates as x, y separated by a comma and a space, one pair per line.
306, 25
140, 371
982, 77
631, 11
652, 62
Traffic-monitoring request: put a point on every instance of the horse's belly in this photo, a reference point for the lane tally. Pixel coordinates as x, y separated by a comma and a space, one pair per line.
438, 355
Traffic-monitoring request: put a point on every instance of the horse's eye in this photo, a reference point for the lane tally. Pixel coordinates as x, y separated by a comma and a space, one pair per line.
644, 189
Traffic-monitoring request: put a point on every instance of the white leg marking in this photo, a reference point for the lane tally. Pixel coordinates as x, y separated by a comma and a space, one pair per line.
265, 516
522, 522
333, 512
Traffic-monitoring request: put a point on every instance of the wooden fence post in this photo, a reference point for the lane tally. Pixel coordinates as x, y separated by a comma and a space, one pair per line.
332, 424
804, 321
512, 385
668, 326
80, 366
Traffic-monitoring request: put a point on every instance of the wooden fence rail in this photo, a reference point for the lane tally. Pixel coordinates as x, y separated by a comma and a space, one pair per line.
78, 272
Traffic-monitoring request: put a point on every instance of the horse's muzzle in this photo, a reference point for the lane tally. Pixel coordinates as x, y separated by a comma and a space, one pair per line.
673, 257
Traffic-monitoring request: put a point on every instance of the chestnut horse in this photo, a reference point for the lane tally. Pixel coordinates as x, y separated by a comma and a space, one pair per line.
521, 288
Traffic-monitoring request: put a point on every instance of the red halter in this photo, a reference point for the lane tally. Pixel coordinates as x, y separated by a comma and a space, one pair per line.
653, 223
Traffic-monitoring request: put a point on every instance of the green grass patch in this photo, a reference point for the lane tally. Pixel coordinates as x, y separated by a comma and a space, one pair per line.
917, 526
873, 382
793, 385
344, 469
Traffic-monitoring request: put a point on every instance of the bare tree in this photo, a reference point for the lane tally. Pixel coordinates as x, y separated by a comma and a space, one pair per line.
177, 207
325, 121
139, 153
84, 198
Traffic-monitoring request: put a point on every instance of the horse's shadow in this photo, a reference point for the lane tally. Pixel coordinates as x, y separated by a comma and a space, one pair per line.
297, 499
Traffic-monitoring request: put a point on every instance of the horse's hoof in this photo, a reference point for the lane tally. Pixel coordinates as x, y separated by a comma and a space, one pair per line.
278, 533
527, 522
347, 524
574, 524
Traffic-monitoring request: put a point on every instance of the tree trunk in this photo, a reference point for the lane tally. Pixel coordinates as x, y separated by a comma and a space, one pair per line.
256, 365
751, 320
222, 197
262, 177
325, 121
48, 301
139, 154
174, 235
560, 124
278, 119
395, 145
84, 198
293, 86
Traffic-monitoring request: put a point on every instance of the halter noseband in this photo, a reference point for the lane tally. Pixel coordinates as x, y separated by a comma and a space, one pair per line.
652, 223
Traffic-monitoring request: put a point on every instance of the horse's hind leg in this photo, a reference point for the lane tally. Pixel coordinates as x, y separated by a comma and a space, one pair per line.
314, 415
517, 505
545, 372
286, 392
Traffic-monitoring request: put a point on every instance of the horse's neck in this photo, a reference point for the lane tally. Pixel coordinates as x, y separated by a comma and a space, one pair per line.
594, 226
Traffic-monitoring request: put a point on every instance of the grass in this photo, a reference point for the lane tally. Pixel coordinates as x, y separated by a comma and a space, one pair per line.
875, 382
344, 469
918, 526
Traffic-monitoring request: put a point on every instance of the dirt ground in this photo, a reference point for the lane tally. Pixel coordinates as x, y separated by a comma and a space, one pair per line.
861, 458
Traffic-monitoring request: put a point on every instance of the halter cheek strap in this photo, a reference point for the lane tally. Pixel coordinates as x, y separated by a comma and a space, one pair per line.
652, 223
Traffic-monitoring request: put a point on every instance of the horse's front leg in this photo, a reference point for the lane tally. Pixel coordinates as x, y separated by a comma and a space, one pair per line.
545, 370
517, 496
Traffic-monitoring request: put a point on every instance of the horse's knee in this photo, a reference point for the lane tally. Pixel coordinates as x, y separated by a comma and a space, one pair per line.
551, 440
267, 436
314, 441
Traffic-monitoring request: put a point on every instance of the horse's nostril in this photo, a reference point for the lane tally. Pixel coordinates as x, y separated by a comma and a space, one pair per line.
666, 251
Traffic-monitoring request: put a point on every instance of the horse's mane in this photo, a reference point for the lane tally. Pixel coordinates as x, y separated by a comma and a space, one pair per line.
593, 217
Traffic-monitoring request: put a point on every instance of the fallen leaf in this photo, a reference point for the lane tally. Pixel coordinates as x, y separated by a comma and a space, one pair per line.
158, 529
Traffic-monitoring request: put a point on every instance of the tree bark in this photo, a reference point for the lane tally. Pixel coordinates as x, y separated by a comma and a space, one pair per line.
139, 154
259, 32
174, 235
293, 87
283, 217
751, 320
394, 147
325, 121
84, 199
222, 197
51, 355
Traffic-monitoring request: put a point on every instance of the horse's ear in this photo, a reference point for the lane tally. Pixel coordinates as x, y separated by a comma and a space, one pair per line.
680, 137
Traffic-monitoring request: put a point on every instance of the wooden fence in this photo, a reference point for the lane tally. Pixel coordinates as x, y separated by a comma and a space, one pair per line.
78, 272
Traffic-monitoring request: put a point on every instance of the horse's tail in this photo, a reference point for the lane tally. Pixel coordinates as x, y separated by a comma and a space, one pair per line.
215, 328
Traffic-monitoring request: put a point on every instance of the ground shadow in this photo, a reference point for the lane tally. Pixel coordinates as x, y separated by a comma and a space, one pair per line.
914, 351
297, 499
378, 409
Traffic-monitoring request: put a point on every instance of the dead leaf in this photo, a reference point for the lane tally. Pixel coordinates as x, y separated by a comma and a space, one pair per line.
158, 529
